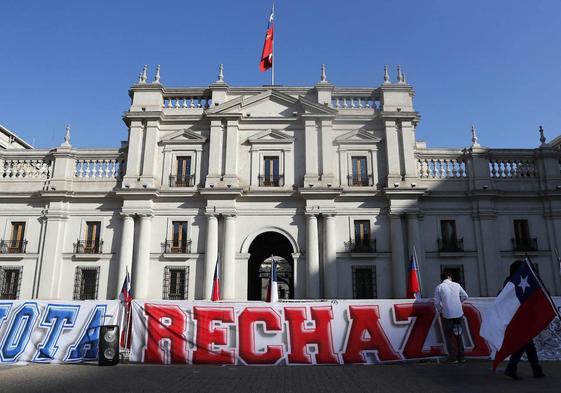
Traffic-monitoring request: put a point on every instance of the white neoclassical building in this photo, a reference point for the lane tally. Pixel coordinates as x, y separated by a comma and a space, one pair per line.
329, 180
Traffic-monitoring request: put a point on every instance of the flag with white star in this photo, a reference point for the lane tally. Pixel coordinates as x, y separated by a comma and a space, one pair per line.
520, 312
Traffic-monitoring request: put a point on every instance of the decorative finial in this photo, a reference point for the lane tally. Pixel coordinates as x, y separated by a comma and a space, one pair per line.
144, 75
323, 77
157, 76
404, 80
542, 136
400, 78
66, 142
474, 142
386, 75
221, 73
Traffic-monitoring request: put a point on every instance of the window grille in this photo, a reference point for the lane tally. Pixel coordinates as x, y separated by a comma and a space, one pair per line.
176, 283
86, 282
457, 273
364, 282
10, 282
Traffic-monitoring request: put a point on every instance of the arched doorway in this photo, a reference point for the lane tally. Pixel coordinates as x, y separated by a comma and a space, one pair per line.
261, 249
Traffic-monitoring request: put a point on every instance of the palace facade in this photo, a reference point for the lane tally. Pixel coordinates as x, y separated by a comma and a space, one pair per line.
330, 181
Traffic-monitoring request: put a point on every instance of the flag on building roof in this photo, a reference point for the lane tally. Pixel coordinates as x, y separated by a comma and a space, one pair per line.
267, 54
215, 284
125, 294
413, 286
520, 312
273, 290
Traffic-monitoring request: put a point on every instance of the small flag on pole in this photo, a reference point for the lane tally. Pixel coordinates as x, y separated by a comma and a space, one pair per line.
273, 290
215, 284
413, 287
520, 312
125, 294
267, 54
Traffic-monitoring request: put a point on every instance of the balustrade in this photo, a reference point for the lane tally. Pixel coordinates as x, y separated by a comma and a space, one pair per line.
99, 169
29, 169
187, 102
441, 168
354, 102
512, 168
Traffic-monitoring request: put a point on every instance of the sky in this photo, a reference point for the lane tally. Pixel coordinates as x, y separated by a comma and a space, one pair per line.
495, 64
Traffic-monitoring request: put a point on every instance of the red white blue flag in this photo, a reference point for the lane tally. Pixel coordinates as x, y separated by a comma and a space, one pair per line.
267, 54
520, 312
215, 284
125, 294
273, 290
413, 287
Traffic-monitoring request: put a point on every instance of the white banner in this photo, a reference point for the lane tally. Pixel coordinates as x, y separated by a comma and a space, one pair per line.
53, 331
342, 331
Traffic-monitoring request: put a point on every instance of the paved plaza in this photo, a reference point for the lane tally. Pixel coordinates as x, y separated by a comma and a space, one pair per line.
475, 376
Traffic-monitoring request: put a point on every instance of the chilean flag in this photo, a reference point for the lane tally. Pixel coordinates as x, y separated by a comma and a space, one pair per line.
125, 295
267, 54
413, 287
215, 284
273, 290
520, 312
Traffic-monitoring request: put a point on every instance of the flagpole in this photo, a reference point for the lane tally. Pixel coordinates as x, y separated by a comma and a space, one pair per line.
418, 270
273, 49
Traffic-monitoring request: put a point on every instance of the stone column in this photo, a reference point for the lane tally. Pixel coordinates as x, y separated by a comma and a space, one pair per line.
312, 257
408, 151
330, 260
493, 271
125, 250
51, 257
311, 142
211, 253
231, 159
327, 158
398, 257
214, 152
150, 155
141, 269
136, 134
229, 258
392, 152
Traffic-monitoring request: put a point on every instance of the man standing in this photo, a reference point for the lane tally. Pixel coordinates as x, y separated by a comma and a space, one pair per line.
448, 299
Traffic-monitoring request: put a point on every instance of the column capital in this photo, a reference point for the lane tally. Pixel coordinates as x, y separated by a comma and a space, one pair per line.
147, 216
125, 215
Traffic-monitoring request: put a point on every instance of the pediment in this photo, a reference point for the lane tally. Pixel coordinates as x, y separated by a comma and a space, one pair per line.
358, 137
270, 137
183, 137
270, 103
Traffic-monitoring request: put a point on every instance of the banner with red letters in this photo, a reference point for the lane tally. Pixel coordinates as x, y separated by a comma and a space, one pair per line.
298, 333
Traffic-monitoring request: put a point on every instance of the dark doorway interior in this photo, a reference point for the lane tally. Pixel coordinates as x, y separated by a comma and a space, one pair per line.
262, 247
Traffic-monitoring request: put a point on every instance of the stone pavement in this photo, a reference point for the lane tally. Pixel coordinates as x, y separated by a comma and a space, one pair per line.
475, 376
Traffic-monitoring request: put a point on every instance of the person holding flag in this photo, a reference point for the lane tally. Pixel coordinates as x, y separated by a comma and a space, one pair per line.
522, 309
273, 290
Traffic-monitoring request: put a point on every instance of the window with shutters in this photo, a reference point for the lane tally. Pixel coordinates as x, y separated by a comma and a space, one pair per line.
176, 283
86, 282
449, 239
362, 241
16, 244
522, 240
359, 176
271, 176
364, 282
10, 282
183, 177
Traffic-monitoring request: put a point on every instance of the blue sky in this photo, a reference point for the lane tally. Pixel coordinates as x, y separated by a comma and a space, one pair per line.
492, 63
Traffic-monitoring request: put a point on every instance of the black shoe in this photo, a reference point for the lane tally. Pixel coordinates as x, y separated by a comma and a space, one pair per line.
512, 375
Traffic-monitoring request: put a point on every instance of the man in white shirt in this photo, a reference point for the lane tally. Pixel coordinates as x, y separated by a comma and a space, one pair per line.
448, 299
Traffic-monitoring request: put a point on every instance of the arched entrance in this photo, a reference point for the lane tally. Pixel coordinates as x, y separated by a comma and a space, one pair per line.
261, 249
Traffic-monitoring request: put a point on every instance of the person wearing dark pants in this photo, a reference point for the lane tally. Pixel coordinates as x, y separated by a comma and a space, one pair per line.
448, 299
532, 355
529, 349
